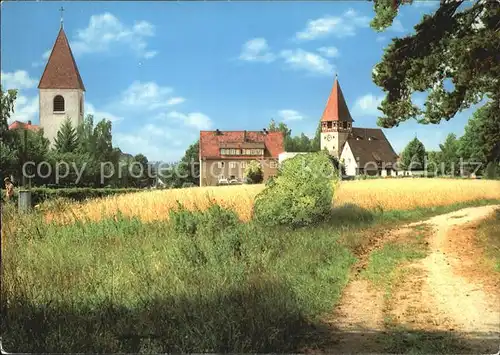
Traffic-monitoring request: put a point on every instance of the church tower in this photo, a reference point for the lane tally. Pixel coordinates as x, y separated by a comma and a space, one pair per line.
336, 122
61, 90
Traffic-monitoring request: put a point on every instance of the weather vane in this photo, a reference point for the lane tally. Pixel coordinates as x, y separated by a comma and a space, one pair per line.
62, 19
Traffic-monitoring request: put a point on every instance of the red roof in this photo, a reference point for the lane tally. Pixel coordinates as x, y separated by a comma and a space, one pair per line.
61, 71
336, 107
22, 125
211, 142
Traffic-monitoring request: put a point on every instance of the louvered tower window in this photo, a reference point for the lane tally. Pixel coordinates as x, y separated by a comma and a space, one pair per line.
58, 103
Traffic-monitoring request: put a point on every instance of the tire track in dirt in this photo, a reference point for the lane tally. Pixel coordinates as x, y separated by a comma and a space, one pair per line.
466, 302
430, 295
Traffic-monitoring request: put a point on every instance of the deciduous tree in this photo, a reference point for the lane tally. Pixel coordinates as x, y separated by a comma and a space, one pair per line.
456, 47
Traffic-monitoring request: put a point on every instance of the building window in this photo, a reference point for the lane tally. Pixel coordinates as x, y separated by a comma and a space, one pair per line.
243, 164
232, 165
273, 164
344, 125
81, 106
348, 160
220, 164
329, 124
58, 103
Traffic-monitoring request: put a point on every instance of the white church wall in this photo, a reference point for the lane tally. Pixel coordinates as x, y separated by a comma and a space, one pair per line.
51, 121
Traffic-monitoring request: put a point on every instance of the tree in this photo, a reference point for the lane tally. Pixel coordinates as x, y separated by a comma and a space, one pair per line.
459, 46
413, 155
7, 100
67, 138
481, 140
300, 143
450, 154
434, 162
191, 164
316, 141
253, 172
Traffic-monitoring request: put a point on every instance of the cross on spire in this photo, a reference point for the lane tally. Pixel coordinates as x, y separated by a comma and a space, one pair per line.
62, 17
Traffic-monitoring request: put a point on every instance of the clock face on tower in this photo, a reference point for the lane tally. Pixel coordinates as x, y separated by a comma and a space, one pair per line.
329, 137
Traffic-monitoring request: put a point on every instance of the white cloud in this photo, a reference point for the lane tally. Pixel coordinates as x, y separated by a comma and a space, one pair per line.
99, 115
19, 79
156, 142
105, 31
257, 50
329, 52
25, 109
175, 101
339, 26
300, 59
290, 115
367, 105
194, 119
148, 96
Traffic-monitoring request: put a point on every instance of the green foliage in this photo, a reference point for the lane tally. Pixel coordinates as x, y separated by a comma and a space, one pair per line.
42, 194
7, 100
301, 143
413, 155
127, 285
301, 193
449, 155
67, 138
253, 172
447, 46
481, 140
492, 171
212, 220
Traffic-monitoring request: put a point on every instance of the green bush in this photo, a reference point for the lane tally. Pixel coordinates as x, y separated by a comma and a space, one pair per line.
253, 172
212, 220
41, 194
301, 193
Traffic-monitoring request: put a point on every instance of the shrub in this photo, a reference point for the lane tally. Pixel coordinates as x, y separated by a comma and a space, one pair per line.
253, 172
41, 194
210, 221
301, 193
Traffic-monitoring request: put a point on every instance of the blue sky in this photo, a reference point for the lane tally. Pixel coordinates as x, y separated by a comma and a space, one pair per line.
161, 71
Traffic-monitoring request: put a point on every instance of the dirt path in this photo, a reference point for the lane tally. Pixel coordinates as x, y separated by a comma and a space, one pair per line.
431, 295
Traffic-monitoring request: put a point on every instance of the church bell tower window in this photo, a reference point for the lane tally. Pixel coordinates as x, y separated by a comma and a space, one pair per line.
58, 103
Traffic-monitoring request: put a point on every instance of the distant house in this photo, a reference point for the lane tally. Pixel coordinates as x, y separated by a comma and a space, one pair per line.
224, 155
22, 125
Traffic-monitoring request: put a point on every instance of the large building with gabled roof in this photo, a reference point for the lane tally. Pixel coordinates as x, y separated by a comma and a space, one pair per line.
362, 150
61, 89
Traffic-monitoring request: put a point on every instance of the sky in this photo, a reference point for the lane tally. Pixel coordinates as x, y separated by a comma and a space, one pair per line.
163, 71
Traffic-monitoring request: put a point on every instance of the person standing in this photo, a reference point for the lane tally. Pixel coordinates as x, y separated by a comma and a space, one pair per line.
9, 189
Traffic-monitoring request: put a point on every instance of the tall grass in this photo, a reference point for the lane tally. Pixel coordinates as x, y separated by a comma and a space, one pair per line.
123, 285
385, 194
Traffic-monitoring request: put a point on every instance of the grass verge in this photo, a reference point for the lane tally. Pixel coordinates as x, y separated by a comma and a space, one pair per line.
488, 235
206, 283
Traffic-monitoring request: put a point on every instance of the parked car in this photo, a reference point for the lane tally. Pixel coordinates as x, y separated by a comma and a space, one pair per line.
223, 181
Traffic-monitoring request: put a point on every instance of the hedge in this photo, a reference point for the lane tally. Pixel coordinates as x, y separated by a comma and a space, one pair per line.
40, 194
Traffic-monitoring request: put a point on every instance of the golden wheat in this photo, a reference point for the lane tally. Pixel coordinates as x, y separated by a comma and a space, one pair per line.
388, 194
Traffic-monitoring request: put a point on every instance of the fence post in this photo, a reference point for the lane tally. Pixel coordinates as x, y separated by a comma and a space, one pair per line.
24, 202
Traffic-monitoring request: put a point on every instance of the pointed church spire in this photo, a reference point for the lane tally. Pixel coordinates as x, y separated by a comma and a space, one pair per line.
336, 107
62, 17
61, 71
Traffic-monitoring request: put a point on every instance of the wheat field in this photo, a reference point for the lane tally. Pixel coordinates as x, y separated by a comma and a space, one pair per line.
386, 194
